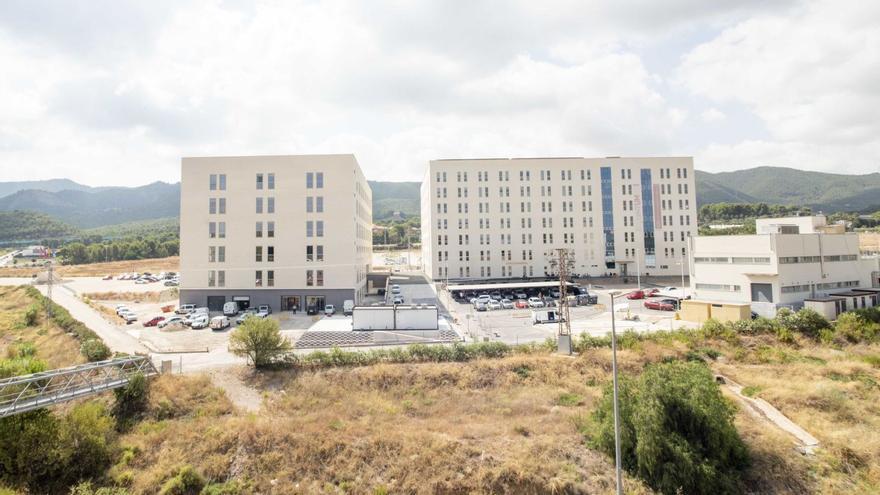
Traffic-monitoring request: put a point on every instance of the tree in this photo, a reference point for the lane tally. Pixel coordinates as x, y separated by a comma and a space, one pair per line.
260, 341
131, 401
677, 430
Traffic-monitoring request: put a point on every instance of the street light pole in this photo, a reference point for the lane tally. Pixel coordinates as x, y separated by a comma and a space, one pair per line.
682, 273
617, 462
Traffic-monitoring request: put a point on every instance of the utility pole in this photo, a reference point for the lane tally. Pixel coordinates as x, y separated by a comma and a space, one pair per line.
50, 279
563, 261
617, 455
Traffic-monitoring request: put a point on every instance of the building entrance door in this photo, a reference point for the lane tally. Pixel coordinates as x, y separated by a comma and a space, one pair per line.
244, 302
762, 293
290, 303
215, 303
314, 304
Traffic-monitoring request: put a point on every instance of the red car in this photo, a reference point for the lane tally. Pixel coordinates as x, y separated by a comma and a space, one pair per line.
636, 294
652, 292
155, 321
521, 304
660, 304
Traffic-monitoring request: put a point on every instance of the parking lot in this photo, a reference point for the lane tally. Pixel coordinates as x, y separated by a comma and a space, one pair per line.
515, 326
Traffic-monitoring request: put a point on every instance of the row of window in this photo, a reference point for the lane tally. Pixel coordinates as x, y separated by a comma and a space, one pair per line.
719, 287
547, 206
504, 175
525, 191
736, 260
217, 205
270, 181
785, 260
217, 182
464, 239
270, 205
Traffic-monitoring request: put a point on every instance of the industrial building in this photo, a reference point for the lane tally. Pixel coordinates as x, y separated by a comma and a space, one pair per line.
788, 261
505, 218
291, 232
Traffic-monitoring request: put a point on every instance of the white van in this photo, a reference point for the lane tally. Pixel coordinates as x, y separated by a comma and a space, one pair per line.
347, 307
548, 315
185, 309
219, 322
230, 308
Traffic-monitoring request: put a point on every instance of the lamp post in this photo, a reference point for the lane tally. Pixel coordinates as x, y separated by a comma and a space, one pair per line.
617, 462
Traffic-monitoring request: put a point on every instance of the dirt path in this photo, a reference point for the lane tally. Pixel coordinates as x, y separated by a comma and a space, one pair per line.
232, 380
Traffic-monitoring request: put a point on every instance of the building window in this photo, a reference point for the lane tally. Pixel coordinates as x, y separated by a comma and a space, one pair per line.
212, 229
310, 225
271, 181
319, 228
221, 254
270, 205
270, 278
212, 278
222, 185
270, 229
259, 205
310, 204
258, 278
221, 203
212, 254
259, 181
319, 204
221, 278
270, 253
221, 230
259, 254
319, 180
310, 278
319, 253
319, 278
212, 182
259, 229
310, 253
310, 180
212, 206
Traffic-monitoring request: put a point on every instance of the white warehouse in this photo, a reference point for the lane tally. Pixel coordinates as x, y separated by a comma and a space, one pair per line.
504, 218
787, 261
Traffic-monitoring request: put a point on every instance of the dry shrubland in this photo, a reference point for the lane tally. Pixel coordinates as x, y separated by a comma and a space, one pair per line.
154, 265
56, 347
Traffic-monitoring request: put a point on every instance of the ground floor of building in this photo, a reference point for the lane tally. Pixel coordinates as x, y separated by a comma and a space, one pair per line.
296, 300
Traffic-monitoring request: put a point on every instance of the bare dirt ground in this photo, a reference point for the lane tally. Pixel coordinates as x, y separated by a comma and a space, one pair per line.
156, 265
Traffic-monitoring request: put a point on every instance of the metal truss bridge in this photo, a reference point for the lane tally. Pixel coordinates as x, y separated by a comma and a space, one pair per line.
25, 393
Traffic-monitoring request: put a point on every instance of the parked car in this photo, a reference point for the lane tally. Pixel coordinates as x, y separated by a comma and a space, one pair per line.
636, 294
493, 305
120, 308
506, 304
141, 281
348, 307
481, 306
265, 308
397, 300
108, 277
534, 302
329, 310
172, 282
521, 295
154, 321
395, 289
199, 321
674, 302
184, 309
659, 304
651, 292
521, 304
245, 315
219, 323
174, 320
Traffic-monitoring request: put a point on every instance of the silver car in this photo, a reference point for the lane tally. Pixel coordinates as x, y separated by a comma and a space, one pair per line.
506, 304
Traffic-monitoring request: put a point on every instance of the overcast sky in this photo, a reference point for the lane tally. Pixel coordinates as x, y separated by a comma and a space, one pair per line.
109, 92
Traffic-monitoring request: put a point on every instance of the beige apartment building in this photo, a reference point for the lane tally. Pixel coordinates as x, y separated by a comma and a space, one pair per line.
292, 232
788, 261
505, 218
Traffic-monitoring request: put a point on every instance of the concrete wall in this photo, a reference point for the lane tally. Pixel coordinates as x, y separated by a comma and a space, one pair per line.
700, 311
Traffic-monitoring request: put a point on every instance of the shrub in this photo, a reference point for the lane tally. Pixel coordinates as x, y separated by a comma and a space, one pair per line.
87, 436
185, 482
21, 366
569, 399
807, 322
31, 314
260, 341
853, 327
677, 430
229, 488
28, 456
95, 350
86, 488
131, 401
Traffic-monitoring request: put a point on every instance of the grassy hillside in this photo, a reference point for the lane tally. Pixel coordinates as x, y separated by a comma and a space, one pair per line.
788, 186
31, 226
389, 197
54, 344
142, 228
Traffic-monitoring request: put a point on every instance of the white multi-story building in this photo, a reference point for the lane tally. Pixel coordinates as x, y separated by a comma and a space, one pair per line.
293, 232
788, 261
505, 218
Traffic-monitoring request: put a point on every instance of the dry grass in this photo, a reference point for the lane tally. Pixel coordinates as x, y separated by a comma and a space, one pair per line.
137, 297
53, 344
155, 265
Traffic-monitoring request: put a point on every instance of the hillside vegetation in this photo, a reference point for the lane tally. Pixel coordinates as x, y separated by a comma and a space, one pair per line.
31, 226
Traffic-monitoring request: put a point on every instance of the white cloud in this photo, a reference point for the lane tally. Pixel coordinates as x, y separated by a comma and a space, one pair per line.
712, 115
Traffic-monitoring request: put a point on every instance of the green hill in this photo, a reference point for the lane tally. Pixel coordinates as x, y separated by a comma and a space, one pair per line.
19, 226
389, 197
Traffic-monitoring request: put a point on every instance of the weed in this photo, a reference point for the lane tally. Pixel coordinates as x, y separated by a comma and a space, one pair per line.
569, 399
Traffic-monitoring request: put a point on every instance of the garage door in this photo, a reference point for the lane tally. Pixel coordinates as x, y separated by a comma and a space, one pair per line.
762, 293
215, 303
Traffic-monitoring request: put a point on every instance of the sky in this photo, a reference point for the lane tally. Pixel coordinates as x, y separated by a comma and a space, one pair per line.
114, 92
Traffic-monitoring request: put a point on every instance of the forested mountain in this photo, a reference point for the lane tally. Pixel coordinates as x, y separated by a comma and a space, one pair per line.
389, 197
30, 226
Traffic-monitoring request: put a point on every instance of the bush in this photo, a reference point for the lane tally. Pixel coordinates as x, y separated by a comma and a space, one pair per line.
807, 322
677, 430
95, 350
131, 401
87, 436
260, 341
229, 488
31, 314
852, 327
186, 482
86, 488
29, 456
